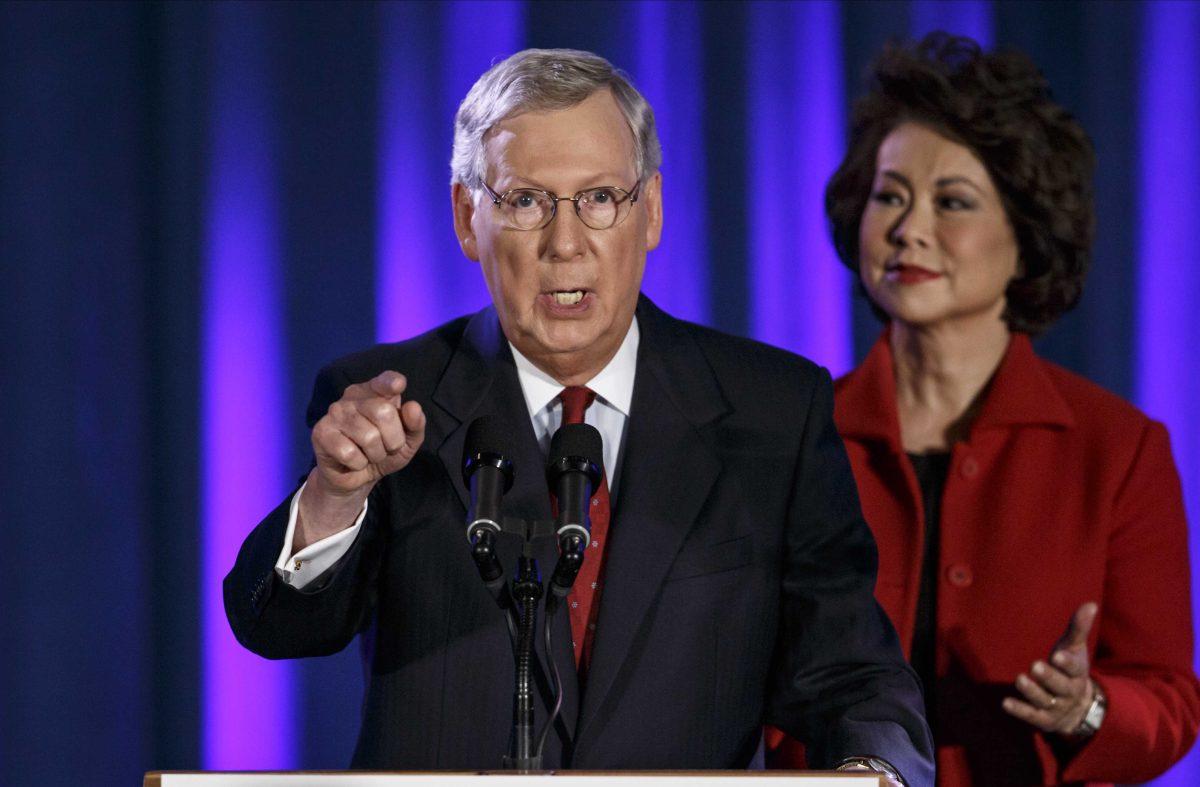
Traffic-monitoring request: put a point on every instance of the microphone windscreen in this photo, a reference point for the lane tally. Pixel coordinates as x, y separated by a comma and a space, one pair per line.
578, 440
485, 435
485, 444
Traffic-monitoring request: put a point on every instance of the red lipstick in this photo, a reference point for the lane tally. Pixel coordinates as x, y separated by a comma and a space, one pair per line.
904, 273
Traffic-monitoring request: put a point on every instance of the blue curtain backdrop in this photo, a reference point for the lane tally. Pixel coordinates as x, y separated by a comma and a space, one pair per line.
202, 203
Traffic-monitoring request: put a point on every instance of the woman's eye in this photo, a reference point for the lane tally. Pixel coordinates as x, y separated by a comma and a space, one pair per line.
954, 203
887, 198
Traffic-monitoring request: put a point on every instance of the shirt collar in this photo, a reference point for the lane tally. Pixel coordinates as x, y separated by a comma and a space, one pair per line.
614, 383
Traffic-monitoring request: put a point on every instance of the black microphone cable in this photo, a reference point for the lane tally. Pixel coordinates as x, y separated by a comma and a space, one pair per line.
555, 678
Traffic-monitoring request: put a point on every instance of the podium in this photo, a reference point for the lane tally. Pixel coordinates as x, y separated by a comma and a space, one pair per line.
512, 779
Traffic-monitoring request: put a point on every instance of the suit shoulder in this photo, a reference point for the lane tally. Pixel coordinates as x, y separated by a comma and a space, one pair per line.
750, 356
758, 375
420, 357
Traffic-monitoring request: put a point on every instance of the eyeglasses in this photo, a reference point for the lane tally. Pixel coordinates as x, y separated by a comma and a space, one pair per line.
600, 208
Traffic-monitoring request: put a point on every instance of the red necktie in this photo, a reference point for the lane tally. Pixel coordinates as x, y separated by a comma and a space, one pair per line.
585, 595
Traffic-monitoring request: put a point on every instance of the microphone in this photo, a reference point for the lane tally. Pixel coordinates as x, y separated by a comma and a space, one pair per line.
574, 471
488, 474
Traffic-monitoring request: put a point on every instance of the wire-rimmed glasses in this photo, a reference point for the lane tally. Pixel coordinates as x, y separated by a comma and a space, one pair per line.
600, 207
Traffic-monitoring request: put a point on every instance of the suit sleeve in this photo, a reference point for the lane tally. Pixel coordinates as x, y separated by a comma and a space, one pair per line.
1143, 653
841, 684
278, 621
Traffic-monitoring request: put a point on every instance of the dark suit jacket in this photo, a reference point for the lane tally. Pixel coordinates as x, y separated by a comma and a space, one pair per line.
739, 572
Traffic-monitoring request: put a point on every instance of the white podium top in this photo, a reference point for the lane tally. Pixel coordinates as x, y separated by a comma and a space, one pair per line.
561, 779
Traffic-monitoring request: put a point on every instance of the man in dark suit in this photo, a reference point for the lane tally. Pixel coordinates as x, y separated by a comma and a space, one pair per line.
731, 572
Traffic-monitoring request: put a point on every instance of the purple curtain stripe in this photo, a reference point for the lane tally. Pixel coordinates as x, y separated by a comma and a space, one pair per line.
668, 70
423, 278
411, 186
247, 700
801, 293
1167, 377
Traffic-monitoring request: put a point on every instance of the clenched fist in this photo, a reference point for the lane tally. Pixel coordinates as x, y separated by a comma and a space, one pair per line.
369, 433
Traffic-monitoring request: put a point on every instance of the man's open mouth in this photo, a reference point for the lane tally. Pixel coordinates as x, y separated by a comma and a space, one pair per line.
567, 297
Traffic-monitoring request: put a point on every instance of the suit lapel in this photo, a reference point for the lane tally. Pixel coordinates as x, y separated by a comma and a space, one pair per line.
470, 387
481, 379
668, 468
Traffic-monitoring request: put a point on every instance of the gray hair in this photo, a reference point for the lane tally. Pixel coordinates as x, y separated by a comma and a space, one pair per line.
546, 79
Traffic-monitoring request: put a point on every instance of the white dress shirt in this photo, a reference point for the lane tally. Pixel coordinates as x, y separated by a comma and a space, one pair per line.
609, 413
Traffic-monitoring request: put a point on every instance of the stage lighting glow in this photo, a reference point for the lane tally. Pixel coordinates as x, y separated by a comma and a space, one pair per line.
801, 293
247, 700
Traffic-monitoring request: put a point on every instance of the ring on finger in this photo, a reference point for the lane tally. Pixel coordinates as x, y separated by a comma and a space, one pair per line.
1053, 702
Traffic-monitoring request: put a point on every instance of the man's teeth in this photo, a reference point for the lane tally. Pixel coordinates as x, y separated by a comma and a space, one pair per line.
568, 298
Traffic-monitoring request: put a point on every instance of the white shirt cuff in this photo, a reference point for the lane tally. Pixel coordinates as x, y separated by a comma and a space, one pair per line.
300, 569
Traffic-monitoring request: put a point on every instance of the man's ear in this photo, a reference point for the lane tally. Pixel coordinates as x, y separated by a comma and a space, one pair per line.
652, 195
463, 204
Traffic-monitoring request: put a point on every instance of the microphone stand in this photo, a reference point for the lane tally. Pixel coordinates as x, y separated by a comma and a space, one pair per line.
526, 590
519, 603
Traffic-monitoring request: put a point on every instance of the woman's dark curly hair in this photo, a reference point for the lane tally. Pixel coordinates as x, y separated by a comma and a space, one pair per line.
1040, 158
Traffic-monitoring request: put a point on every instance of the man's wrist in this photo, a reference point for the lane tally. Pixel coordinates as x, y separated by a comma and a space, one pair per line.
873, 764
321, 514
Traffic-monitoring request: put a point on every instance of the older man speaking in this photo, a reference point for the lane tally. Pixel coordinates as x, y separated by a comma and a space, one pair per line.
729, 577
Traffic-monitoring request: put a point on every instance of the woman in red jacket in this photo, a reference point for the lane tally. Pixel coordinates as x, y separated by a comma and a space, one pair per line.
1032, 541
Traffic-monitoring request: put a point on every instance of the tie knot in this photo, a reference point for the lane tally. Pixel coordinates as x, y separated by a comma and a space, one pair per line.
575, 400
